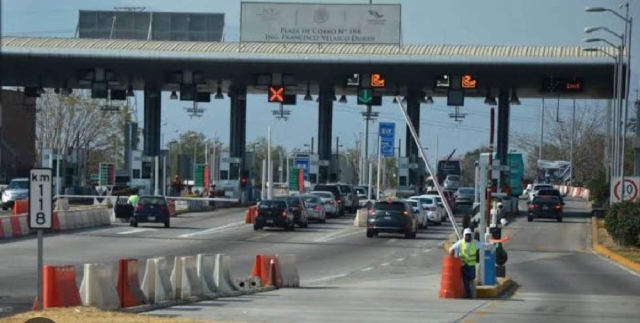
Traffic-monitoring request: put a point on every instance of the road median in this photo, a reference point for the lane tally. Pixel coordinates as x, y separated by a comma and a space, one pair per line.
598, 237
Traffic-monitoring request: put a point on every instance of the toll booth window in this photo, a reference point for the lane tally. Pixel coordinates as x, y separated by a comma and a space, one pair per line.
136, 173
313, 178
224, 175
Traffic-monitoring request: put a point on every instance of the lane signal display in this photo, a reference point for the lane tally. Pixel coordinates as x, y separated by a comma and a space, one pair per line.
276, 94
469, 82
377, 80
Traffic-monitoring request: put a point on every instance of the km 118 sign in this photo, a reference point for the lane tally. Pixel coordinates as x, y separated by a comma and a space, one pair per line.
320, 23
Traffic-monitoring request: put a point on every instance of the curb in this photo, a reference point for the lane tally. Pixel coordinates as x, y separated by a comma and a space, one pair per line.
161, 305
608, 253
495, 291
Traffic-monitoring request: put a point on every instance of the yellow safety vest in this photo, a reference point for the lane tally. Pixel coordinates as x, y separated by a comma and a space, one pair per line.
468, 257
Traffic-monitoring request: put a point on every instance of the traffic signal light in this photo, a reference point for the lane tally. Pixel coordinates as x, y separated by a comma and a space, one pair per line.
243, 182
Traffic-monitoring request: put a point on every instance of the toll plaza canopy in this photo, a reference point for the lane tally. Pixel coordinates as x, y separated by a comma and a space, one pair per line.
59, 62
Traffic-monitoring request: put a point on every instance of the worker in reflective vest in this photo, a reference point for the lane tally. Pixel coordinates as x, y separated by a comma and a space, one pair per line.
467, 250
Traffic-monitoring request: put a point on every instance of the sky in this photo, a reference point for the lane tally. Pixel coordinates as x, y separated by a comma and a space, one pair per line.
428, 22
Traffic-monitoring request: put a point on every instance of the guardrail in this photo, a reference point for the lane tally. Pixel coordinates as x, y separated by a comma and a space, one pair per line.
214, 199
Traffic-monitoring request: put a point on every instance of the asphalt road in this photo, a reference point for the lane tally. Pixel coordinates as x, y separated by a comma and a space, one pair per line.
561, 281
325, 251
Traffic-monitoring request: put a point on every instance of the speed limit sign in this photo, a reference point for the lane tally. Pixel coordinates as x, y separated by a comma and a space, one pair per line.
629, 189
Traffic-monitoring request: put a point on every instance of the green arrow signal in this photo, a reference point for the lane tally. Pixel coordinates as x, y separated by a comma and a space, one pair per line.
364, 96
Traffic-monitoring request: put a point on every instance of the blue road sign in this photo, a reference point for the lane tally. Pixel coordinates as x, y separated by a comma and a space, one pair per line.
303, 162
387, 131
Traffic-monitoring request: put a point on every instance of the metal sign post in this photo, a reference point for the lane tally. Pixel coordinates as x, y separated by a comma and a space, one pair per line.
40, 213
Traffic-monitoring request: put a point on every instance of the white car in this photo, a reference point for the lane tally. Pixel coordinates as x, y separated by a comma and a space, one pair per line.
421, 213
430, 206
328, 202
536, 187
442, 212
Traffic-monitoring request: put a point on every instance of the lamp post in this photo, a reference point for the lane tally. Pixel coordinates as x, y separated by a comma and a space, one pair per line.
620, 125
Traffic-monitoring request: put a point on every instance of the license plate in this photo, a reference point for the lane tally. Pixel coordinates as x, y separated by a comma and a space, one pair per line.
270, 221
152, 218
545, 207
387, 218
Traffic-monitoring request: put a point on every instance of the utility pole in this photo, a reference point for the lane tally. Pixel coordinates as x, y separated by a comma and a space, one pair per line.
338, 145
573, 135
367, 116
636, 157
541, 131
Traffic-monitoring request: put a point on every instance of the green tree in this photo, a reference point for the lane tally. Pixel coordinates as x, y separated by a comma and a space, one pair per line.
468, 164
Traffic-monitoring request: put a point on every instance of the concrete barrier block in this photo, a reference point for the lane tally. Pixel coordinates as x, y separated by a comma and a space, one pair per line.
289, 270
206, 266
184, 278
242, 284
98, 288
156, 284
361, 218
62, 204
222, 274
5, 227
24, 224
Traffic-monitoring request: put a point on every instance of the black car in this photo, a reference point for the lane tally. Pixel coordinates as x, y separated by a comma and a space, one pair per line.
392, 216
298, 207
337, 193
151, 209
546, 206
274, 213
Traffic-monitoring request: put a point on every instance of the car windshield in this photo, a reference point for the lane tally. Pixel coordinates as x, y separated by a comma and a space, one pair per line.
152, 200
345, 189
360, 190
413, 203
272, 205
546, 199
389, 206
426, 200
20, 185
466, 191
453, 178
311, 199
293, 201
326, 195
547, 192
542, 187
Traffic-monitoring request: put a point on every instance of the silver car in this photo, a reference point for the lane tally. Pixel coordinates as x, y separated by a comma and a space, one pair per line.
328, 201
315, 208
452, 182
18, 189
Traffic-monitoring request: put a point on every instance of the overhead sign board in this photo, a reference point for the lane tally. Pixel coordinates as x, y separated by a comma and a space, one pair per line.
387, 131
442, 82
302, 161
276, 94
377, 80
320, 23
562, 84
469, 82
40, 198
353, 80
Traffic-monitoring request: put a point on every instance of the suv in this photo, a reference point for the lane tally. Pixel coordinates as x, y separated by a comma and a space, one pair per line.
350, 197
392, 216
337, 193
18, 189
545, 207
274, 213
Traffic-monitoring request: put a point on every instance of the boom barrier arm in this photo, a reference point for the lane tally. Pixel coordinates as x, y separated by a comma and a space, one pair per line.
426, 163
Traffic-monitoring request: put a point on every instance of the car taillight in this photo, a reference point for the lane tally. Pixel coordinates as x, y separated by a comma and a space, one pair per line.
558, 207
532, 207
285, 213
340, 201
163, 208
372, 212
331, 202
317, 208
406, 213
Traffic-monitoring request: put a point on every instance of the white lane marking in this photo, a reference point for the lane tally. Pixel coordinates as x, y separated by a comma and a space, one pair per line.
426, 250
326, 278
212, 230
400, 259
367, 269
337, 235
385, 264
136, 231
414, 254
392, 240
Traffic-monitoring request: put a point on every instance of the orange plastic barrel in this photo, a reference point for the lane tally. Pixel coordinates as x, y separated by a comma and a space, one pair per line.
451, 280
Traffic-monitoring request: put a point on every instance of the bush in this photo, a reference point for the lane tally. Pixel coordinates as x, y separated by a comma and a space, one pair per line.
622, 221
599, 187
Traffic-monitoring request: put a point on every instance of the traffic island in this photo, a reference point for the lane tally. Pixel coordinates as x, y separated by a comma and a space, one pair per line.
604, 246
505, 287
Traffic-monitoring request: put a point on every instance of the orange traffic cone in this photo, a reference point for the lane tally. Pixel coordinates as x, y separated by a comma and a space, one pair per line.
272, 281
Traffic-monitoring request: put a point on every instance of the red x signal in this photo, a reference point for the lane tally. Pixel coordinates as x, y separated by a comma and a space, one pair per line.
276, 94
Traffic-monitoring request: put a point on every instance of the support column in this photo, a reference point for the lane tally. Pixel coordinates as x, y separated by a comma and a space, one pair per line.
325, 122
503, 133
416, 177
152, 123
238, 132
636, 142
